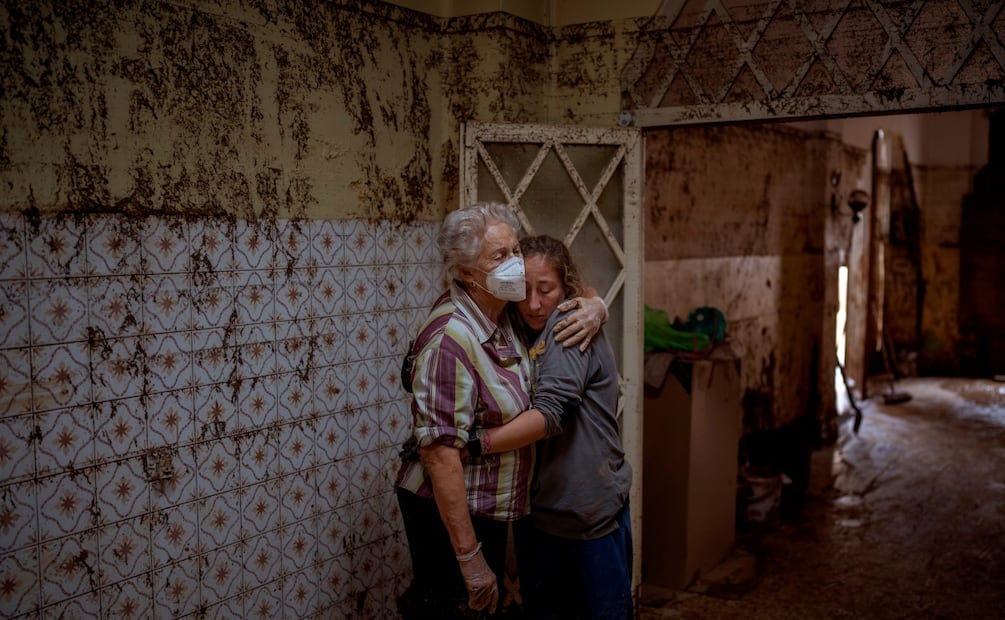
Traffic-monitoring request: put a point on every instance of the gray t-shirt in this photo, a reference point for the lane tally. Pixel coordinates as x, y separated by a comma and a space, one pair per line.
582, 478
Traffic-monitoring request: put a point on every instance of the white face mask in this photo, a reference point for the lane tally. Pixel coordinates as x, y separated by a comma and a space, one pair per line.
506, 281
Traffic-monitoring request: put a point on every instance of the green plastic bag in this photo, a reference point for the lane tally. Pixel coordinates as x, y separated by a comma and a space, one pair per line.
661, 336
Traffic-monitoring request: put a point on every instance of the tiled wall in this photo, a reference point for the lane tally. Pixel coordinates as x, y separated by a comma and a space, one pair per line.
201, 416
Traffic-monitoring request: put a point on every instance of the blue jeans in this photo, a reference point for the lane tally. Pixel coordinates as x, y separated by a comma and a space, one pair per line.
585, 579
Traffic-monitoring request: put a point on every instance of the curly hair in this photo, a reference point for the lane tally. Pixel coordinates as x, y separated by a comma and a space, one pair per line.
463, 231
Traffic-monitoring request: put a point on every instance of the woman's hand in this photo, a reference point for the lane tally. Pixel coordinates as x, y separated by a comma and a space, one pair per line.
582, 325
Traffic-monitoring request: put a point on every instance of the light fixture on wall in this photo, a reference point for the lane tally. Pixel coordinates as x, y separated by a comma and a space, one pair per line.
858, 200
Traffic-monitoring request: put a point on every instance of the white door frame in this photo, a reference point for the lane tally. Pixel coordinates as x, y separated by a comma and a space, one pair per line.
629, 158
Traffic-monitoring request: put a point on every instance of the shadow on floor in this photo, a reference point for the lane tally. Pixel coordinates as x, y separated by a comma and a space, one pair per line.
905, 519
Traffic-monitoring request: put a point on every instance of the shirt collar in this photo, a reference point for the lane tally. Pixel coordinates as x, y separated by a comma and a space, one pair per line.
483, 327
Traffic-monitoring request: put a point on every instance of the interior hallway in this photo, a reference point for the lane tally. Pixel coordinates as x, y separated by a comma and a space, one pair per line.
906, 519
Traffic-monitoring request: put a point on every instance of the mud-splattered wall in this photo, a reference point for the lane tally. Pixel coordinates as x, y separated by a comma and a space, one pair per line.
216, 231
740, 218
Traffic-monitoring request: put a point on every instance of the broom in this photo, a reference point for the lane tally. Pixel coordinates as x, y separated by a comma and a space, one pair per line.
892, 396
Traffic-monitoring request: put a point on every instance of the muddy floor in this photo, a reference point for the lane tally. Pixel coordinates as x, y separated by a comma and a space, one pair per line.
906, 519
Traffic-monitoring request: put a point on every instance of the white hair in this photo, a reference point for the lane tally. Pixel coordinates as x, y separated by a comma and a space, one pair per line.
463, 232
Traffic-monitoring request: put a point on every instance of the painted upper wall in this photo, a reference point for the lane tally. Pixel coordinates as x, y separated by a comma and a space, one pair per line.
300, 109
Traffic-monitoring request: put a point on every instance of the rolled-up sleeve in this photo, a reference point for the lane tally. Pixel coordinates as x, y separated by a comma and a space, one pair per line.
443, 386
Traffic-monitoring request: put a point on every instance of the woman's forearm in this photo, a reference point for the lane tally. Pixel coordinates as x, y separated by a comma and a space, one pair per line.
521, 431
443, 463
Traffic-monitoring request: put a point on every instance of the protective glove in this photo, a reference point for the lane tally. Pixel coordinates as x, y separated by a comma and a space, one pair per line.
582, 325
483, 590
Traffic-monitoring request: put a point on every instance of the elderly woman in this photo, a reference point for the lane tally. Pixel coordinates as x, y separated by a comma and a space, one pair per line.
581, 539
470, 372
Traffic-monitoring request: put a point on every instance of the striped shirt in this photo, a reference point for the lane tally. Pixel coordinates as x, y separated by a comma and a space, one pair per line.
470, 374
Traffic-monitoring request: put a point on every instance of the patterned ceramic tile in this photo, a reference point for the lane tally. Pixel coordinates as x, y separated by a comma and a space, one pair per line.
361, 426
219, 520
395, 422
175, 591
212, 301
368, 525
170, 418
66, 504
254, 298
175, 535
113, 245
361, 336
421, 288
14, 318
300, 593
217, 467
330, 387
263, 558
13, 260
167, 305
391, 284
15, 382
221, 577
17, 459
65, 440
297, 500
18, 525
296, 446
215, 412
420, 246
123, 491
329, 342
260, 508
212, 245
328, 292
331, 440
118, 367
367, 476
362, 382
368, 571
299, 547
69, 567
359, 243
293, 347
120, 429
124, 549
264, 602
129, 600
178, 485
327, 242
334, 588
58, 248
115, 305
58, 310
293, 244
225, 610
295, 396
390, 239
259, 458
294, 299
212, 360
20, 579
334, 489
61, 376
257, 403
86, 606
334, 534
361, 290
165, 245
253, 248
169, 363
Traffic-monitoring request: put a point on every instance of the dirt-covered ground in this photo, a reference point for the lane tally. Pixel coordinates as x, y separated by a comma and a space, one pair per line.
906, 519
